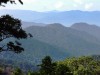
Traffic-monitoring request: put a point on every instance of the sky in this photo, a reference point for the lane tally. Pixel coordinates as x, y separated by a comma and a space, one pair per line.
59, 5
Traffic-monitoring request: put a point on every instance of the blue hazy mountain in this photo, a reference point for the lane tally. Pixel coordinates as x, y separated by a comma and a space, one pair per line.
35, 50
64, 17
91, 29
28, 24
57, 41
75, 42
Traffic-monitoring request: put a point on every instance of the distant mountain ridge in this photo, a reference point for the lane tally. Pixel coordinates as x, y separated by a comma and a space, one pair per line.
28, 24
58, 42
70, 39
64, 17
91, 29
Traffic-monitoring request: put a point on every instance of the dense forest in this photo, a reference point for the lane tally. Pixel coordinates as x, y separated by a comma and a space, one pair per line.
70, 66
85, 65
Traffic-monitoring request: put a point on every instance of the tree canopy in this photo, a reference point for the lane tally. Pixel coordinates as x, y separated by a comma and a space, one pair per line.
11, 1
11, 27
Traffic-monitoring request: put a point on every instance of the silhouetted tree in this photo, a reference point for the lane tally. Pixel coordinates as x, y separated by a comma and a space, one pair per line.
11, 1
11, 27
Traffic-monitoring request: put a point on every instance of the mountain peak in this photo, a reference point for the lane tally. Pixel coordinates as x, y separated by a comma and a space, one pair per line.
80, 24
55, 25
84, 25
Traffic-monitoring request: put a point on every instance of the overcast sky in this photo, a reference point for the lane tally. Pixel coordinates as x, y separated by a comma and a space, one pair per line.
60, 5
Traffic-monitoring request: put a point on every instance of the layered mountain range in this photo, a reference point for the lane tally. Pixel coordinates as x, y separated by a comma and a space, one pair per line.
72, 39
58, 42
52, 37
66, 18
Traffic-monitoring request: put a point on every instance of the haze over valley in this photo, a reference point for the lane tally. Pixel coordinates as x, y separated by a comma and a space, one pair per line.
53, 38
64, 33
66, 18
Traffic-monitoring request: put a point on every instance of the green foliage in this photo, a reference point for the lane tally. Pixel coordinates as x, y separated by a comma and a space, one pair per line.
52, 68
18, 72
61, 69
47, 67
1, 70
82, 65
33, 73
70, 66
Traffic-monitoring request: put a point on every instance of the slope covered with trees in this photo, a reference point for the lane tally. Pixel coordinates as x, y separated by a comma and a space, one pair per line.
85, 65
70, 66
73, 41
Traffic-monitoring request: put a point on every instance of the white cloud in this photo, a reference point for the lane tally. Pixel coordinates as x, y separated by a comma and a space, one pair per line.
59, 4
27, 1
79, 1
88, 6
75, 5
